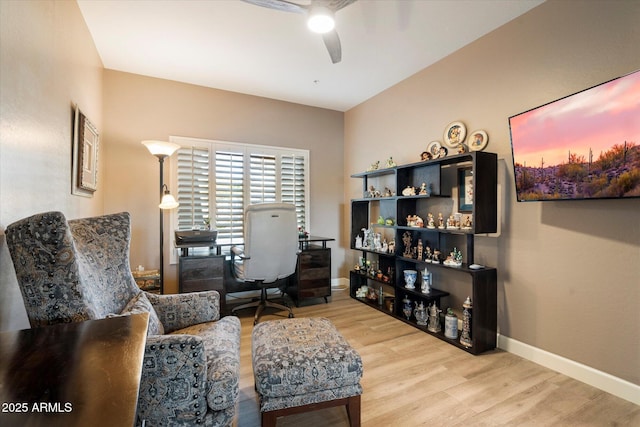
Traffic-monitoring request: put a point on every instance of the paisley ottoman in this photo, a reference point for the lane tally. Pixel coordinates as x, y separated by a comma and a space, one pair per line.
304, 364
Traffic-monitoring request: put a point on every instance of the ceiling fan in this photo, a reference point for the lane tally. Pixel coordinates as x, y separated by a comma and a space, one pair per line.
320, 19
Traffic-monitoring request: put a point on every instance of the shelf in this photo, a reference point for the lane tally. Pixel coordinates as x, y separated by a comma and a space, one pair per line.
441, 176
374, 279
374, 173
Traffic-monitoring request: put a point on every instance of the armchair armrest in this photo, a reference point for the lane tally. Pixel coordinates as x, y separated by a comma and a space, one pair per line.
173, 386
177, 311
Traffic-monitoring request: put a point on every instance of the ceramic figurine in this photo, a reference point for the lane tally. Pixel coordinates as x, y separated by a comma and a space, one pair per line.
466, 225
430, 221
374, 166
409, 191
454, 259
380, 220
389, 221
423, 189
425, 155
419, 250
406, 239
392, 247
391, 163
440, 221
358, 242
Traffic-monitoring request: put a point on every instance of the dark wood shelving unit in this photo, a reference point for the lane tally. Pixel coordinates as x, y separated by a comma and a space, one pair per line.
441, 178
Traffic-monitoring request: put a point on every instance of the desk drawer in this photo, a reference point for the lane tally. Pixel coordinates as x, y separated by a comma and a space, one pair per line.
201, 273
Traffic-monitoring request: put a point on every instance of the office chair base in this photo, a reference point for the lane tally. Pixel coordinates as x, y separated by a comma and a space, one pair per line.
261, 305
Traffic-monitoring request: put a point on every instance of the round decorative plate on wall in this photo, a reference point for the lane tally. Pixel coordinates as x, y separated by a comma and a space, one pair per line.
454, 134
478, 140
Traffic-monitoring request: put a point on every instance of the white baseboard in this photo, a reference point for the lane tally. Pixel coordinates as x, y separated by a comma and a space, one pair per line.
601, 380
340, 284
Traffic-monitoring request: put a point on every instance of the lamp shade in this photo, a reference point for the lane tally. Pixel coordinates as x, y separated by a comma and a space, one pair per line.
160, 148
321, 20
168, 202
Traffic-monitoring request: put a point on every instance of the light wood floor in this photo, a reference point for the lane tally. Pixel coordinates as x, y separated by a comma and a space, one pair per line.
413, 379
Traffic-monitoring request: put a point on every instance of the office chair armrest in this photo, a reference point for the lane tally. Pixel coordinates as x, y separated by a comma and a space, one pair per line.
238, 252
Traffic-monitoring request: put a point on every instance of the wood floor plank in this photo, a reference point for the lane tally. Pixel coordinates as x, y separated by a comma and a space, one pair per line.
413, 379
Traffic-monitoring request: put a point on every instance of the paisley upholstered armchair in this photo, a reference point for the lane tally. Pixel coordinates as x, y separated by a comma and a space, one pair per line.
77, 270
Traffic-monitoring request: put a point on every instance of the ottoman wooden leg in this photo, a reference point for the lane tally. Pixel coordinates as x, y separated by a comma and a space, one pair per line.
269, 419
353, 411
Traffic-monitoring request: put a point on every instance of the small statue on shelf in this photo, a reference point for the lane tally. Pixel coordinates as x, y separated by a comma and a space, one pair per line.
374, 166
387, 192
391, 163
430, 221
466, 225
425, 155
406, 239
454, 259
392, 247
440, 221
409, 191
451, 222
419, 250
423, 190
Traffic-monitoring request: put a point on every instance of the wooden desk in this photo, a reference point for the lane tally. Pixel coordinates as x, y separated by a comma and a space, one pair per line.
73, 374
313, 271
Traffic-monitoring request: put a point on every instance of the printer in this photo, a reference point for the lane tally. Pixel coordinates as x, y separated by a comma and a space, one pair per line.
185, 237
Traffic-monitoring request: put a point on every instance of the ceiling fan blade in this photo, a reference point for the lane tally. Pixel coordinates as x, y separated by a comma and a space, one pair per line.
283, 5
332, 42
336, 5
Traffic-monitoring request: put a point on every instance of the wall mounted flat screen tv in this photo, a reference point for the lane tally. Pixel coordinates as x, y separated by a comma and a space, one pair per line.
582, 146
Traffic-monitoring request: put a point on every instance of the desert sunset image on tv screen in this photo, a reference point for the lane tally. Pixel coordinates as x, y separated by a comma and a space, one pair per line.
583, 146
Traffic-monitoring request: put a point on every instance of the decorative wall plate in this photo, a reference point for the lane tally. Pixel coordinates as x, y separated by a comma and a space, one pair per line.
434, 149
454, 134
478, 140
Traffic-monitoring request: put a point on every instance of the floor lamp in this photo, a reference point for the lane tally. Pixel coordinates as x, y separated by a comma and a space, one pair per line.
162, 150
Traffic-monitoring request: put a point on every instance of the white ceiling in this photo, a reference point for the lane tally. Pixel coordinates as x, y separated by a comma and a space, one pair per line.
240, 47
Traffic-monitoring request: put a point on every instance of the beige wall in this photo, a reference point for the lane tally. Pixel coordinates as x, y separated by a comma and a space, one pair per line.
568, 272
47, 63
138, 108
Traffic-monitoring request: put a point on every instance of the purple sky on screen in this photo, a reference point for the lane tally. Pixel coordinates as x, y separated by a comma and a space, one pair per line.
596, 118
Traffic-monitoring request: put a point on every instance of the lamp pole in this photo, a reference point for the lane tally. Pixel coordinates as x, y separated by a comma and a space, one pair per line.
162, 150
161, 161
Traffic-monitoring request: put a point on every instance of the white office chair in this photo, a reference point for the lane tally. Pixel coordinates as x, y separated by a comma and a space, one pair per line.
270, 251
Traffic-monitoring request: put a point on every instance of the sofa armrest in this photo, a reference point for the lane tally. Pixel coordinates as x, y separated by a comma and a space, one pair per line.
177, 311
173, 386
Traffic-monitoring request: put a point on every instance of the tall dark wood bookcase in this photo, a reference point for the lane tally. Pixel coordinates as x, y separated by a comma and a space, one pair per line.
444, 179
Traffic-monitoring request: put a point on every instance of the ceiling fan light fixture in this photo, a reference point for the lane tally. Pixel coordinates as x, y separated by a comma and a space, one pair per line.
321, 20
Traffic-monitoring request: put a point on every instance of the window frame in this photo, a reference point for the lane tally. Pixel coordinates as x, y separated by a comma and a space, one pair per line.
247, 150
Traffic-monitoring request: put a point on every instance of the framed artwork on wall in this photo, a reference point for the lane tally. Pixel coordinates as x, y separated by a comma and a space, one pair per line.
86, 141
465, 190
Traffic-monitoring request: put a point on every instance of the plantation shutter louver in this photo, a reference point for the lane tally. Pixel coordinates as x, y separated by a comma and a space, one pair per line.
262, 178
193, 187
293, 185
229, 184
